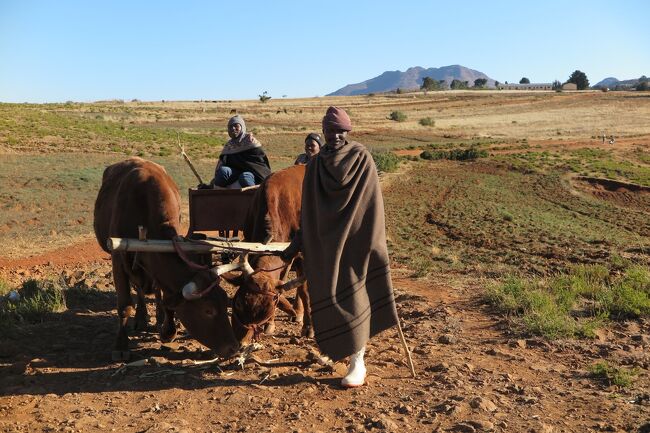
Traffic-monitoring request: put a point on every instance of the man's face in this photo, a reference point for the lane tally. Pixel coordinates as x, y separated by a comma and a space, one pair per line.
334, 136
311, 147
234, 130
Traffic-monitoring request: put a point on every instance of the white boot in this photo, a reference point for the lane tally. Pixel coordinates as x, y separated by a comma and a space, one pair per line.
356, 375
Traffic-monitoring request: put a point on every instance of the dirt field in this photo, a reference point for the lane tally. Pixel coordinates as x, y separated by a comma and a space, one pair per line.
550, 195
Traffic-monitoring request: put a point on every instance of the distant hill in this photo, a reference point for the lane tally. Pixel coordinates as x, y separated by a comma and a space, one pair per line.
612, 83
411, 79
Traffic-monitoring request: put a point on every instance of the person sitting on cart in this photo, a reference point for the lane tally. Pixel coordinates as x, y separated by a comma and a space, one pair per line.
313, 143
242, 162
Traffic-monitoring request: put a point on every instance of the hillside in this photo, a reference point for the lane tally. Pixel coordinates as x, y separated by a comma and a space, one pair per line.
411, 79
613, 82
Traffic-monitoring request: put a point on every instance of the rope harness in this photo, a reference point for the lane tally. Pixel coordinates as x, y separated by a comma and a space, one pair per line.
255, 326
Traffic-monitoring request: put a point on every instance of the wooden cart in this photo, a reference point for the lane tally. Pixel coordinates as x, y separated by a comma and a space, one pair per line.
219, 210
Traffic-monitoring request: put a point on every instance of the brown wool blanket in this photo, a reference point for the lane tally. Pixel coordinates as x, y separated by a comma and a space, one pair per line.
345, 253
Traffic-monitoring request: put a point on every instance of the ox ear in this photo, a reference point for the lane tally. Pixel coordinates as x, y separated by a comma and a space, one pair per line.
290, 284
235, 280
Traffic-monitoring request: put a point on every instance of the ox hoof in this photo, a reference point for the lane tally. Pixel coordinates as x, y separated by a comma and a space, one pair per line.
297, 319
120, 355
307, 331
269, 329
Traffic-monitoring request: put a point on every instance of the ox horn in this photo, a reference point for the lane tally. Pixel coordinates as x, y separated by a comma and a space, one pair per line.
242, 264
191, 291
245, 266
291, 284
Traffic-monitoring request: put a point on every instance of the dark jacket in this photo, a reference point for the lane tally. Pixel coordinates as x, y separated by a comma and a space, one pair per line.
253, 160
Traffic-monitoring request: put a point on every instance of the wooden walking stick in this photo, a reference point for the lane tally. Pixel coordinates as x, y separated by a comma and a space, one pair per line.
406, 348
187, 159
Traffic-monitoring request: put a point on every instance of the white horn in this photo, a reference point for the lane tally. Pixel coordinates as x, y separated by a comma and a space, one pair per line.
291, 284
190, 291
222, 269
245, 266
242, 264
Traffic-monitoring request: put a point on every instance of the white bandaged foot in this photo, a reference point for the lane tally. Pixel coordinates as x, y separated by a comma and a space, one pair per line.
356, 375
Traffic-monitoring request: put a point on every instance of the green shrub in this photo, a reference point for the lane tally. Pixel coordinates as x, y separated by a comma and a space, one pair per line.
455, 154
612, 375
427, 121
385, 161
397, 116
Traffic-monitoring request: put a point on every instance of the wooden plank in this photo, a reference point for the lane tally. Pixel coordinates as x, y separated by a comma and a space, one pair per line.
205, 246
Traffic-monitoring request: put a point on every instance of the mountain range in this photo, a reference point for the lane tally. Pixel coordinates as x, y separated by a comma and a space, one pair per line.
612, 83
411, 79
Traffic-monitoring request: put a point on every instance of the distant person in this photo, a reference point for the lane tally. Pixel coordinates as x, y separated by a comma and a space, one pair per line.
242, 162
313, 143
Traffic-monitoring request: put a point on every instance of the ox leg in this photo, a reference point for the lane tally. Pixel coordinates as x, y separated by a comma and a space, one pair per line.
284, 305
141, 315
160, 310
168, 327
269, 328
164, 320
307, 326
299, 309
125, 310
298, 304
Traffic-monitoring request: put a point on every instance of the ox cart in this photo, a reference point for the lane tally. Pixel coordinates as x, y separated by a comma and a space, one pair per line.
221, 212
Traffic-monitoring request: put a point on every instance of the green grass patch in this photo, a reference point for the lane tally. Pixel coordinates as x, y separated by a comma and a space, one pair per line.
586, 162
36, 299
574, 303
613, 375
427, 121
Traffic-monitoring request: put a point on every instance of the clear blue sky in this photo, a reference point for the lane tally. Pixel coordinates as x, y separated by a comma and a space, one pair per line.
151, 50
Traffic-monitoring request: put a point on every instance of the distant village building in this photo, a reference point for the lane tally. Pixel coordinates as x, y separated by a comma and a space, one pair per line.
569, 86
531, 86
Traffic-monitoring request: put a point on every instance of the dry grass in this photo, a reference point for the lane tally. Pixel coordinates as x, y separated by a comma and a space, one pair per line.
47, 189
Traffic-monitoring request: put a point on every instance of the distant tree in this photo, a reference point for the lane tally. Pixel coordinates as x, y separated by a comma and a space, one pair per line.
643, 79
643, 86
429, 83
497, 84
579, 78
524, 80
264, 97
557, 85
398, 91
480, 83
456, 84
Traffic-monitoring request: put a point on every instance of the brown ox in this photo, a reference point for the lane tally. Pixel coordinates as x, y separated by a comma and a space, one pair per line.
274, 215
136, 193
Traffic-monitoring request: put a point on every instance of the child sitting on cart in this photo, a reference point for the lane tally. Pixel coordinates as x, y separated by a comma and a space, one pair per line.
242, 162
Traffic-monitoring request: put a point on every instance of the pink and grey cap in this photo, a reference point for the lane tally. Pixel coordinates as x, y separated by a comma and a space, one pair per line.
337, 118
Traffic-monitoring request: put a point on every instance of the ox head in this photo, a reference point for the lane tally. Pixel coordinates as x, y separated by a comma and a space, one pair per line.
256, 298
203, 312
